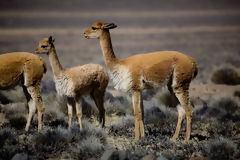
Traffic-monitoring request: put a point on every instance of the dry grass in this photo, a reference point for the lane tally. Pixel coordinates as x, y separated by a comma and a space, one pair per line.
206, 30
229, 76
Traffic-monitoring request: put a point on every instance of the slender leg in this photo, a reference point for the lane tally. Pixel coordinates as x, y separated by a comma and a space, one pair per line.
183, 97
181, 114
34, 91
32, 110
98, 98
70, 111
31, 107
79, 111
138, 114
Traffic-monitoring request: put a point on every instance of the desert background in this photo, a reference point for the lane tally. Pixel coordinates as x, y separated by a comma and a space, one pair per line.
207, 30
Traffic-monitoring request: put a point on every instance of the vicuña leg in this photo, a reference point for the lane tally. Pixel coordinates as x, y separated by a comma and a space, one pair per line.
98, 98
31, 107
79, 111
70, 103
34, 91
181, 115
138, 114
183, 96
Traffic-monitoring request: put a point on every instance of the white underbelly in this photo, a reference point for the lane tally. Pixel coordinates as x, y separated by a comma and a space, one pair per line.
64, 86
121, 79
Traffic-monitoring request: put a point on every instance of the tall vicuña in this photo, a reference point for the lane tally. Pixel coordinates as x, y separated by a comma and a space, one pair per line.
25, 69
148, 71
77, 81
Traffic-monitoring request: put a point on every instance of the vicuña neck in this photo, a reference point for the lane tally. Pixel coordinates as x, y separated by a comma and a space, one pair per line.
54, 61
106, 45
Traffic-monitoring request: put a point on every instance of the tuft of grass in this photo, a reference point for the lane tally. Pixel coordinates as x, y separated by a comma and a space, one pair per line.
51, 141
228, 75
7, 137
59, 122
4, 99
8, 142
122, 126
115, 154
230, 105
220, 149
14, 109
84, 144
155, 115
13, 95
89, 147
114, 108
50, 116
18, 122
237, 94
168, 99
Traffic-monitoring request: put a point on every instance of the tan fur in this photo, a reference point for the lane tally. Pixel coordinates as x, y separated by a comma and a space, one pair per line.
27, 70
77, 81
148, 71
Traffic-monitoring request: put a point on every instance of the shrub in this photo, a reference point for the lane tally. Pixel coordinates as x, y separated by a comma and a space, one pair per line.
8, 142
220, 149
230, 105
90, 142
51, 141
154, 115
4, 99
229, 76
115, 154
122, 126
114, 108
18, 122
237, 94
14, 110
89, 147
13, 95
168, 99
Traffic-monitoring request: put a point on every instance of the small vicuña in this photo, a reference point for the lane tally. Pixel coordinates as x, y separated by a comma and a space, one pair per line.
25, 69
76, 81
148, 71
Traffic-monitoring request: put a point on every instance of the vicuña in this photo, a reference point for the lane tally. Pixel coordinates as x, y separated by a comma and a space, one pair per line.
148, 71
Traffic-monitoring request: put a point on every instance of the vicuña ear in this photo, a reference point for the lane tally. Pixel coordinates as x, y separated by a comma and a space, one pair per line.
109, 26
50, 39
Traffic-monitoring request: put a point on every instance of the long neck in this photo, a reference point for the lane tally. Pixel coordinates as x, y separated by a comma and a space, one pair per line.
108, 53
54, 61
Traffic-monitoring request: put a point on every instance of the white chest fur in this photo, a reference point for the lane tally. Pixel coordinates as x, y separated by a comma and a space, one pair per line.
64, 85
121, 78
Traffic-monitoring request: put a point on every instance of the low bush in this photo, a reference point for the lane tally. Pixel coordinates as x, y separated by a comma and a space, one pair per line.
114, 108
168, 99
8, 142
237, 94
229, 104
220, 149
229, 76
51, 141
18, 122
4, 99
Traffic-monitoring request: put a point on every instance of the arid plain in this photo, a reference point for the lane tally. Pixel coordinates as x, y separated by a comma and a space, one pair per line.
206, 30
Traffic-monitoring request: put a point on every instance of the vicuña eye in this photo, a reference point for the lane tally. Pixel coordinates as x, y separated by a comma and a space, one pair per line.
94, 28
44, 46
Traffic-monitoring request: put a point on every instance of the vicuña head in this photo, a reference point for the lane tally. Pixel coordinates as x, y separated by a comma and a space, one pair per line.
96, 30
148, 71
76, 81
45, 45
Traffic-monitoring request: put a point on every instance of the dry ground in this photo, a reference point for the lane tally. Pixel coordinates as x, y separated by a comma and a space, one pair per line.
206, 30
